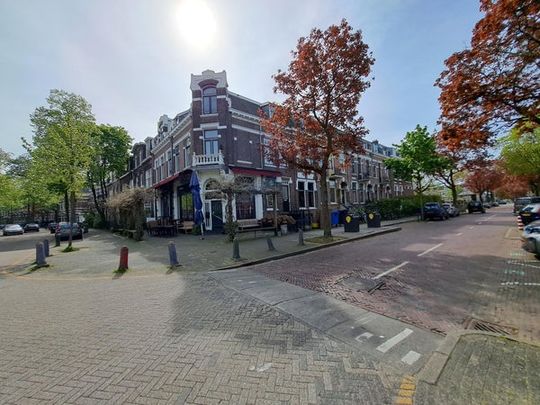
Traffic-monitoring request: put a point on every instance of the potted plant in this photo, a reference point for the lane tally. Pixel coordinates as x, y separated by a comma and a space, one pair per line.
283, 222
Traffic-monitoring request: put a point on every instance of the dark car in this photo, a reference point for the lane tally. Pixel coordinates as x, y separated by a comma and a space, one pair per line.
31, 227
522, 202
434, 210
529, 214
12, 229
52, 227
62, 229
475, 206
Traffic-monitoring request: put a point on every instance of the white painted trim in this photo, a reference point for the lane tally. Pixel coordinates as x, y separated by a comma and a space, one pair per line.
249, 130
245, 162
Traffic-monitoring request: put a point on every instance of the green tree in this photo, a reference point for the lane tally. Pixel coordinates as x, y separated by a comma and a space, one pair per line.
61, 147
418, 161
111, 147
520, 154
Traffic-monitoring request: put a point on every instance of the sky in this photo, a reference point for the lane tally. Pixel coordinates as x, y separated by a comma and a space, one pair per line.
132, 59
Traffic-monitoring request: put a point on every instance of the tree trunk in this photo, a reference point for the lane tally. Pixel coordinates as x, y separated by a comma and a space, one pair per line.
99, 207
71, 217
66, 203
325, 211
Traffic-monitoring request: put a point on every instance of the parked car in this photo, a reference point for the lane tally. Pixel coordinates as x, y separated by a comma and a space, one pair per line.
530, 238
494, 204
530, 213
62, 229
12, 229
434, 210
475, 206
487, 205
31, 227
522, 202
502, 202
2, 226
52, 227
84, 226
452, 211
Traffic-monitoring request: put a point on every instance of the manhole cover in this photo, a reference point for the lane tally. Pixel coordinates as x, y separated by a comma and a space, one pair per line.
363, 283
484, 326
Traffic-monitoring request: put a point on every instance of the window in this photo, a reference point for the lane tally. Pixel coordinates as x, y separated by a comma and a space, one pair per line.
354, 194
245, 202
209, 100
186, 207
332, 191
269, 201
211, 142
148, 181
362, 197
176, 153
187, 156
306, 194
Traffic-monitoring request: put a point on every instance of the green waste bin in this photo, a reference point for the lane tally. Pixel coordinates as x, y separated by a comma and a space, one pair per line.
373, 220
351, 223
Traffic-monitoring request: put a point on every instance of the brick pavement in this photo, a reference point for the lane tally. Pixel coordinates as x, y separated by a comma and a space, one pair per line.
169, 339
486, 370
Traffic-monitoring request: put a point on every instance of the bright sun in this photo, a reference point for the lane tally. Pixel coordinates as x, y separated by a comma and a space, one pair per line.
196, 23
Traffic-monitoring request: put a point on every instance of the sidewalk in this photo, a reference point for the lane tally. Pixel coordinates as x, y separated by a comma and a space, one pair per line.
99, 251
484, 369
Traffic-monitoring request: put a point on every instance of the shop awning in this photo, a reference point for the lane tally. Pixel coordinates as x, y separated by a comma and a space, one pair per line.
255, 172
167, 180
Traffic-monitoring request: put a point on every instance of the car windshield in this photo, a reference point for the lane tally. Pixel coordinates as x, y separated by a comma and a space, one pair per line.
523, 201
531, 208
10, 227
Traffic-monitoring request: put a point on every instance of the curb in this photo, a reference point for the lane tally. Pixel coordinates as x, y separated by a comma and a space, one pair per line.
433, 368
389, 229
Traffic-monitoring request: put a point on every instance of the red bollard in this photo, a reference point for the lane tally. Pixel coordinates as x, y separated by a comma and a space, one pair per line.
123, 266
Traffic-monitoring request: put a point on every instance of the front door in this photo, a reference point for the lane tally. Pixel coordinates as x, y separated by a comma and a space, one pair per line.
216, 211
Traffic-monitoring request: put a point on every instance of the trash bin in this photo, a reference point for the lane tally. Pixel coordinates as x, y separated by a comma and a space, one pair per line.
352, 223
334, 216
373, 220
342, 215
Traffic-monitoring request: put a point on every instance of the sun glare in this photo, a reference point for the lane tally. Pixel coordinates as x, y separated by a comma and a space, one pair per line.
196, 23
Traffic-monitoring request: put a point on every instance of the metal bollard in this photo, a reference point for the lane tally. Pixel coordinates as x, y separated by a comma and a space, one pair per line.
270, 243
173, 258
57, 239
46, 247
40, 255
300, 238
123, 266
236, 249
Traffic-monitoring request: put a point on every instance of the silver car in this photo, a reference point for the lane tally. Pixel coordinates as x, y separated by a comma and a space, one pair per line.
13, 229
452, 211
530, 238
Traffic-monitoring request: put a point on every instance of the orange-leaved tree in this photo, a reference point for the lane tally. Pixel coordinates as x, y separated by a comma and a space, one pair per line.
495, 83
484, 176
319, 119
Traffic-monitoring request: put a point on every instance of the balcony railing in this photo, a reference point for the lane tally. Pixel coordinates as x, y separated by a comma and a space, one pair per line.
205, 160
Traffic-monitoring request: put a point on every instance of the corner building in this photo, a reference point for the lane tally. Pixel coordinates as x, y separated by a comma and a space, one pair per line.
220, 137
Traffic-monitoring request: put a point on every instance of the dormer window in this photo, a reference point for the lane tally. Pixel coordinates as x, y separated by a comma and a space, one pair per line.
209, 100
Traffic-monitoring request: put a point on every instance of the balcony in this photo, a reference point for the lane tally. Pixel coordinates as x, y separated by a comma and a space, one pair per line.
207, 160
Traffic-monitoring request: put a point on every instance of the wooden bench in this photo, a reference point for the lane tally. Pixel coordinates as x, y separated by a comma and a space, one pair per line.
252, 225
186, 226
130, 233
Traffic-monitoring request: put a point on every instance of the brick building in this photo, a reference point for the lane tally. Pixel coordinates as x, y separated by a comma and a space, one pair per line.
220, 136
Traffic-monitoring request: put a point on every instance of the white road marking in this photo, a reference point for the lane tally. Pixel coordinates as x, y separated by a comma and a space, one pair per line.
459, 234
430, 249
390, 271
365, 335
411, 357
525, 264
366, 319
383, 348
520, 283
471, 227
251, 282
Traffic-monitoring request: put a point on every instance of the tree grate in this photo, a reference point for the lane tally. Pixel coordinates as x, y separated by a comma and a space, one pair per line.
484, 326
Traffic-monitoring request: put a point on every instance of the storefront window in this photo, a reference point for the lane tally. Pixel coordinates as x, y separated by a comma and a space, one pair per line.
186, 206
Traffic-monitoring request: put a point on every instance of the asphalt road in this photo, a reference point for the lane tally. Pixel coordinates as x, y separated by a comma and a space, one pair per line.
436, 274
19, 250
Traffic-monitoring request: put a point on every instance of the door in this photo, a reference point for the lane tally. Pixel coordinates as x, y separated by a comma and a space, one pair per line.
217, 216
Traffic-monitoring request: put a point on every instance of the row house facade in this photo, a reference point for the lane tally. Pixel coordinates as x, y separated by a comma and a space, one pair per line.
220, 137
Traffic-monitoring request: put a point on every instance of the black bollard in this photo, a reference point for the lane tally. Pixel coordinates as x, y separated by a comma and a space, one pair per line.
236, 249
173, 258
300, 238
270, 243
56, 239
46, 247
40, 255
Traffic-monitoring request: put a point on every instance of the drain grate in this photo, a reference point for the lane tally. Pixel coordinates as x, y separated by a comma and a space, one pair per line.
484, 326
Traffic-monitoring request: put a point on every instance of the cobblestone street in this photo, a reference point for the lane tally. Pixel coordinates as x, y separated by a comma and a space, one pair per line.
170, 339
